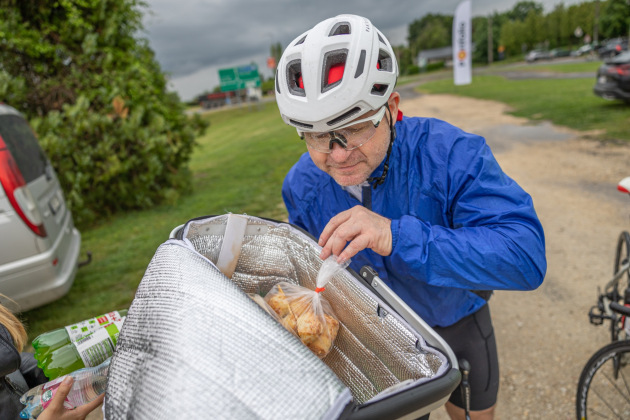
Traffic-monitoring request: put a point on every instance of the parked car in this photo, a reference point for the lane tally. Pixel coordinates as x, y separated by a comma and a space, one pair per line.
39, 245
613, 47
559, 52
583, 50
535, 55
613, 78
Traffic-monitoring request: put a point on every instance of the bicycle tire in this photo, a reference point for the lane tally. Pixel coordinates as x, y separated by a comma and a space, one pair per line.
604, 386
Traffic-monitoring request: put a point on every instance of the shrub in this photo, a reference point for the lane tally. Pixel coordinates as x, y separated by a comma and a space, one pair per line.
97, 97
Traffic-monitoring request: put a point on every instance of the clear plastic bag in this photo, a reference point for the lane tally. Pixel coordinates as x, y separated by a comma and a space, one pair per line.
306, 312
261, 302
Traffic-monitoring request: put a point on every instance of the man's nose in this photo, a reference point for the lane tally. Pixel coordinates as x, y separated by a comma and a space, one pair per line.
339, 153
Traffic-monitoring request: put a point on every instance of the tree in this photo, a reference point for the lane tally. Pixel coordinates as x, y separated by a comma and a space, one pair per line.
276, 52
97, 97
583, 16
405, 60
480, 35
432, 31
513, 35
521, 10
535, 32
615, 19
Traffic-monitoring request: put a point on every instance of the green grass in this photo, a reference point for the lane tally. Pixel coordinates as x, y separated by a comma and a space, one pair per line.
238, 167
566, 102
572, 67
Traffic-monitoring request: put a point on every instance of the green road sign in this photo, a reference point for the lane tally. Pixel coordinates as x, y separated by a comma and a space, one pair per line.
237, 78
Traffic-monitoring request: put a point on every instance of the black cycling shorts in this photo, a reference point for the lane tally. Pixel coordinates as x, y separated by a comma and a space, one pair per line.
472, 338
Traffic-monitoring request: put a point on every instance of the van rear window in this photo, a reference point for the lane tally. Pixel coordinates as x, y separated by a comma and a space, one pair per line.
23, 145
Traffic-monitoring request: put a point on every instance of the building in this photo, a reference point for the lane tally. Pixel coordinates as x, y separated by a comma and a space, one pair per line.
445, 54
219, 99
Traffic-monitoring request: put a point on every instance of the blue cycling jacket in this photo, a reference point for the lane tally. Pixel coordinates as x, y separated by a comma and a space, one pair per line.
458, 222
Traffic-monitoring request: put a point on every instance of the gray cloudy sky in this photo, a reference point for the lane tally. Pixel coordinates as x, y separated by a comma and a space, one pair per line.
192, 39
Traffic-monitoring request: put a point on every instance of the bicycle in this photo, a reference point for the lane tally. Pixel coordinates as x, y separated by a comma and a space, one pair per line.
603, 390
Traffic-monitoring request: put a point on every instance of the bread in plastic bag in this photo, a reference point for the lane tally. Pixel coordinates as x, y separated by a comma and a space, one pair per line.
306, 312
261, 302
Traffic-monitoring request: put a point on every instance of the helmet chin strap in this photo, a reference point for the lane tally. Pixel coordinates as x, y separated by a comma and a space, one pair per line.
376, 181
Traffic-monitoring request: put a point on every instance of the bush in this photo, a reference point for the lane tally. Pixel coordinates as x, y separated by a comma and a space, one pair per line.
268, 85
97, 97
435, 66
413, 69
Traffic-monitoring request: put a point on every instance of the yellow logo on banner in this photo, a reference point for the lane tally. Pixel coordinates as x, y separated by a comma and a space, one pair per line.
461, 55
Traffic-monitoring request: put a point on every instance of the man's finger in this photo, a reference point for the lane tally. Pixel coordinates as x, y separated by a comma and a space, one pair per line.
357, 244
332, 225
338, 244
338, 240
331, 247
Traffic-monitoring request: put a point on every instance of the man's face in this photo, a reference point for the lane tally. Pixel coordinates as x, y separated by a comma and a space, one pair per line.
355, 166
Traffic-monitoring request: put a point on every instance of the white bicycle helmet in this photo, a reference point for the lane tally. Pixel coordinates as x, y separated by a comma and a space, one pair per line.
335, 72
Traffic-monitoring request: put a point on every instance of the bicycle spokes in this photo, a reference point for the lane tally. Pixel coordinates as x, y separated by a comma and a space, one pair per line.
605, 384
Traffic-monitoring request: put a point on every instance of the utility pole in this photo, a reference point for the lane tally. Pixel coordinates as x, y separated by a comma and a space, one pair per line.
596, 24
490, 48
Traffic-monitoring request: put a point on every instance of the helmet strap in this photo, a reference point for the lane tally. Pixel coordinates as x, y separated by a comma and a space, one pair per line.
376, 181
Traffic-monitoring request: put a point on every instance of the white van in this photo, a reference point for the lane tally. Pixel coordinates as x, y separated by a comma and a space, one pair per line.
39, 245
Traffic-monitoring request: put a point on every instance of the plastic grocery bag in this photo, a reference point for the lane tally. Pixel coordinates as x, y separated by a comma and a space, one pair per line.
306, 312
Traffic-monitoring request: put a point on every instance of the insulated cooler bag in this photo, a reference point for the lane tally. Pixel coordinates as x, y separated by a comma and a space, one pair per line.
195, 345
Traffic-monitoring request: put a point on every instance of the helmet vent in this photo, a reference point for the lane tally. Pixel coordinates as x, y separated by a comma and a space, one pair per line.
301, 41
360, 64
341, 28
379, 89
344, 116
294, 76
380, 38
277, 85
301, 124
336, 61
385, 62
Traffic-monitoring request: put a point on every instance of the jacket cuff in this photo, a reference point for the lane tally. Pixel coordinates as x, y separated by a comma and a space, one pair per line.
395, 232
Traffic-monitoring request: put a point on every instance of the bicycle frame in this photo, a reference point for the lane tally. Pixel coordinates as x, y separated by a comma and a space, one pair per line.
602, 311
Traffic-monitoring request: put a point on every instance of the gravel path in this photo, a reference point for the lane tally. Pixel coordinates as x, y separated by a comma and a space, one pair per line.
544, 336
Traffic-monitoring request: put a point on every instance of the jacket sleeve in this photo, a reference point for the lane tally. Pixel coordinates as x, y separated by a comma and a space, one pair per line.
493, 239
290, 202
30, 371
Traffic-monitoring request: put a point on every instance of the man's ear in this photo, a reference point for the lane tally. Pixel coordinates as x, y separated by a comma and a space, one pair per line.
392, 102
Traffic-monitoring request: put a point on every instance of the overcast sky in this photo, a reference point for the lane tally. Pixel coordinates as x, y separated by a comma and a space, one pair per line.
192, 39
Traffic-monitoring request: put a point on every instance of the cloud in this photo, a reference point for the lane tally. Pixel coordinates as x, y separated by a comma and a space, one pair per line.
195, 37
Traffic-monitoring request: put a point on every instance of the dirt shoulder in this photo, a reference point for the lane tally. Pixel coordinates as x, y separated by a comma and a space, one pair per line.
544, 336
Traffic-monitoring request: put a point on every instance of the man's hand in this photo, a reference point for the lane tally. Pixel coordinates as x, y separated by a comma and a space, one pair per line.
359, 226
56, 410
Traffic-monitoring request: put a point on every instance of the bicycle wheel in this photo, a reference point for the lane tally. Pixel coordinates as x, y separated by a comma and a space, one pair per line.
604, 388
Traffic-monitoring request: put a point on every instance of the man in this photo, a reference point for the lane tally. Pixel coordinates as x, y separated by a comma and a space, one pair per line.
421, 201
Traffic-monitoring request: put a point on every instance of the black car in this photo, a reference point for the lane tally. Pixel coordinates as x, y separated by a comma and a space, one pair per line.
613, 47
613, 78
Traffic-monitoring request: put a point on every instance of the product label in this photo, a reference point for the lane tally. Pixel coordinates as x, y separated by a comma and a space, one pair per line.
49, 389
95, 348
81, 329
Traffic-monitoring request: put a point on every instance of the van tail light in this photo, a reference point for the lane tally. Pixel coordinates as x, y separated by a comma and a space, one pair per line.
18, 193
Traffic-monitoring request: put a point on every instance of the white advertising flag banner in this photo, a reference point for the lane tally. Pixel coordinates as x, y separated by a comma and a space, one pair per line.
462, 34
